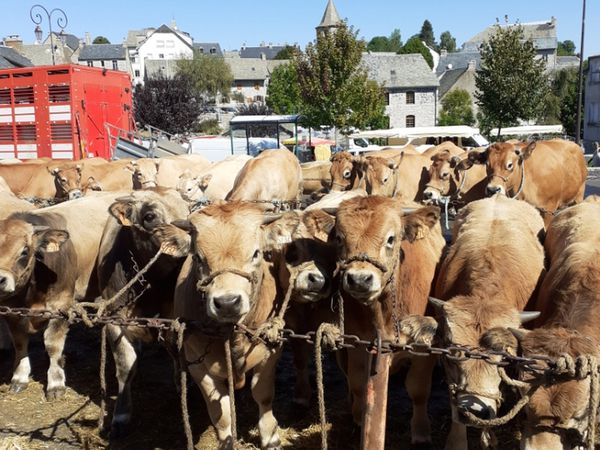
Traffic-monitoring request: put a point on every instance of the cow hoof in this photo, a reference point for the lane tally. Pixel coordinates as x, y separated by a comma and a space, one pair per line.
55, 393
16, 387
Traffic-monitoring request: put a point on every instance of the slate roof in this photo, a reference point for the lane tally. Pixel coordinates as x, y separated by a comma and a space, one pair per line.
97, 52
252, 68
457, 60
563, 62
10, 58
269, 51
543, 34
70, 40
331, 18
205, 48
399, 71
449, 78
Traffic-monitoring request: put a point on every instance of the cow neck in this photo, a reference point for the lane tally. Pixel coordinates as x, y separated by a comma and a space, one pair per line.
462, 175
522, 182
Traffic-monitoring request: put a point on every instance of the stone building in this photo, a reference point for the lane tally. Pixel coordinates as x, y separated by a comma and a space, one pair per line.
591, 118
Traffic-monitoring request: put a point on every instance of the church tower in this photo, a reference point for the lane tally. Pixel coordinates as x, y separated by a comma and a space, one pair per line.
331, 19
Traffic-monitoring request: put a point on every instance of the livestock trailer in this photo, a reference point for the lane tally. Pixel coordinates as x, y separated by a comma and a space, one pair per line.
61, 111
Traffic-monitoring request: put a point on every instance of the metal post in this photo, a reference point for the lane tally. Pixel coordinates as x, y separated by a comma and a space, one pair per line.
580, 82
61, 22
376, 394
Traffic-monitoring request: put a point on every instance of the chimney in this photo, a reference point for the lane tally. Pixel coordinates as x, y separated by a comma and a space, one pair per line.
553, 21
472, 66
88, 38
443, 52
14, 41
263, 56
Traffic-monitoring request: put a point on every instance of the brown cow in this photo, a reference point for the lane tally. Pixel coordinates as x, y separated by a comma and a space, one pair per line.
454, 177
74, 180
272, 175
127, 246
29, 180
388, 263
489, 275
316, 176
227, 270
569, 300
165, 172
547, 174
10, 203
446, 146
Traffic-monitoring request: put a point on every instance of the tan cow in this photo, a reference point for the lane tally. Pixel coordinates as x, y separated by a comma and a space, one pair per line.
213, 183
488, 277
547, 174
446, 146
569, 300
455, 177
10, 203
95, 174
386, 292
165, 172
272, 175
315, 176
29, 180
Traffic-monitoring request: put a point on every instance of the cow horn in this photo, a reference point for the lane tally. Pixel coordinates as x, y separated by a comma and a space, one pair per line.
125, 199
271, 217
408, 210
528, 316
40, 228
436, 302
518, 333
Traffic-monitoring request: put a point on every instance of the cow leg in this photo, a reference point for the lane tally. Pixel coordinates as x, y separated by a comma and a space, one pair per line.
20, 339
302, 390
357, 378
216, 396
418, 386
263, 391
457, 437
54, 341
125, 364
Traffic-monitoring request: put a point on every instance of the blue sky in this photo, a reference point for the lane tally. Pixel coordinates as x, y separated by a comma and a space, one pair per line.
235, 22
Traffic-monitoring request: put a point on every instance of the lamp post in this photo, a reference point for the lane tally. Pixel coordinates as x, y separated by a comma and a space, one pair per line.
580, 81
36, 17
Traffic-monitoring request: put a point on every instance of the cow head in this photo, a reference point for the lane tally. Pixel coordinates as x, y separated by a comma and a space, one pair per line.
505, 165
346, 171
381, 175
143, 173
369, 231
444, 176
561, 406
20, 244
67, 181
474, 322
193, 188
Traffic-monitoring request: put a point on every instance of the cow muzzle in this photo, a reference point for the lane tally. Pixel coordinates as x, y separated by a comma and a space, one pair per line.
431, 194
311, 286
7, 282
362, 284
75, 193
481, 408
227, 306
493, 189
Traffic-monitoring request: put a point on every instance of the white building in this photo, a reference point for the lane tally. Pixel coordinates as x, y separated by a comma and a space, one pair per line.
591, 118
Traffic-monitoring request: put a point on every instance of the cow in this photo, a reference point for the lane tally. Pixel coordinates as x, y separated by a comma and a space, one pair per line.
29, 180
10, 202
95, 174
487, 278
315, 176
569, 302
446, 146
548, 174
164, 172
213, 183
388, 260
455, 177
127, 246
345, 174
272, 175
46, 261
229, 277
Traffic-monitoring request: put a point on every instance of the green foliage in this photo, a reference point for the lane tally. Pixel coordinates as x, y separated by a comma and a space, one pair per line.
209, 126
448, 42
167, 103
100, 40
393, 43
210, 75
334, 87
286, 53
561, 102
511, 84
457, 109
414, 45
238, 97
283, 92
254, 109
426, 34
566, 48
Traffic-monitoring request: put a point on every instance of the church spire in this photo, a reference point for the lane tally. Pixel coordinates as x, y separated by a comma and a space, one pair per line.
331, 18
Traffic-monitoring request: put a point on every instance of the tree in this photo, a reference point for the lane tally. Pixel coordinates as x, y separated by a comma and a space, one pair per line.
566, 48
393, 43
100, 40
334, 87
283, 92
210, 74
426, 34
167, 103
511, 83
414, 45
286, 52
457, 109
448, 42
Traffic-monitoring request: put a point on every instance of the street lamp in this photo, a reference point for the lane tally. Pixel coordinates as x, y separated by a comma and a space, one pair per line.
36, 17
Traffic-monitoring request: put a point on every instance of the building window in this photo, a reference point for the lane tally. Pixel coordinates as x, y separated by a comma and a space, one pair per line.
594, 114
90, 63
239, 87
410, 98
170, 44
410, 121
161, 56
115, 64
259, 98
257, 86
387, 98
596, 75
102, 63
137, 73
160, 43
213, 50
201, 50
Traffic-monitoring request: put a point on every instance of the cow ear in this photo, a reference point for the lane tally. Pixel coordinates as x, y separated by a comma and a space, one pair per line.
157, 164
526, 151
123, 212
78, 167
280, 232
49, 240
395, 161
454, 161
203, 183
477, 157
319, 224
418, 223
93, 184
465, 164
130, 167
54, 171
418, 329
173, 241
501, 340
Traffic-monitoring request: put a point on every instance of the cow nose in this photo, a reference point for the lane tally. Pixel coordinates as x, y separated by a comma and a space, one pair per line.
472, 404
75, 194
315, 281
492, 190
7, 283
359, 280
227, 301
428, 195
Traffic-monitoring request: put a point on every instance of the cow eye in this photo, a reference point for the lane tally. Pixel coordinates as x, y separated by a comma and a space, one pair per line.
390, 241
256, 255
385, 180
63, 180
149, 217
347, 173
445, 175
509, 166
24, 252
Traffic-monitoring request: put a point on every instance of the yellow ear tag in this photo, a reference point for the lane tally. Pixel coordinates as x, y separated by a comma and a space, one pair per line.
124, 221
52, 247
